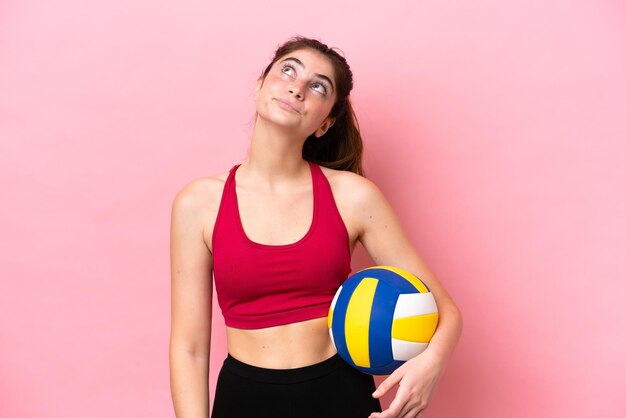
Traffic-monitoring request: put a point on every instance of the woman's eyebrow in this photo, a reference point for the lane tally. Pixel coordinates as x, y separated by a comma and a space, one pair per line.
322, 76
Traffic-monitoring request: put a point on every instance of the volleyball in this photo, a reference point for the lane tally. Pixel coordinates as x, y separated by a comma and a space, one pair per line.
381, 317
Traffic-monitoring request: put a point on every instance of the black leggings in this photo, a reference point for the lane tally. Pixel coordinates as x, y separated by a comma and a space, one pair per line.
328, 389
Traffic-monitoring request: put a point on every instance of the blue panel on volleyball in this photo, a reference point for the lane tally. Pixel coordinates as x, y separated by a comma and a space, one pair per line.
386, 369
383, 307
388, 276
339, 319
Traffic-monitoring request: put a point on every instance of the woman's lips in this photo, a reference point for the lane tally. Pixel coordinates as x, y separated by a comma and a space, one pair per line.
287, 106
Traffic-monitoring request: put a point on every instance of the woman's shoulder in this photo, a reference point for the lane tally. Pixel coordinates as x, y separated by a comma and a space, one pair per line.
346, 184
201, 193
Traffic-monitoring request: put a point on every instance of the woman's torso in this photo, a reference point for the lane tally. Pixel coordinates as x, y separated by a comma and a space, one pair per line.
278, 217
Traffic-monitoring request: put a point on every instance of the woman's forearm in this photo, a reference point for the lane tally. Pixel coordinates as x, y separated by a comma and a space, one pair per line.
189, 384
448, 332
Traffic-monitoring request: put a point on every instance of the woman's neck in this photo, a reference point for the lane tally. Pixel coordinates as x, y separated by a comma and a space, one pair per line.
275, 153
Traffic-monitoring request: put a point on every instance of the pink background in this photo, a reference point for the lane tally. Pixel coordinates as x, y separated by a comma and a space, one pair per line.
496, 129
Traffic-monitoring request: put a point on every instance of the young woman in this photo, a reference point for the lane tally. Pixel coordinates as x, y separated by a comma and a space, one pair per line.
276, 233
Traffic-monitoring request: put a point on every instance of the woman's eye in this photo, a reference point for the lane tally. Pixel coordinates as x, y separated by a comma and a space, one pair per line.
319, 87
288, 70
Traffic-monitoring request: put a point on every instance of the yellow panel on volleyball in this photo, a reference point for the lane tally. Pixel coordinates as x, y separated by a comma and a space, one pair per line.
407, 275
332, 307
419, 328
358, 321
330, 318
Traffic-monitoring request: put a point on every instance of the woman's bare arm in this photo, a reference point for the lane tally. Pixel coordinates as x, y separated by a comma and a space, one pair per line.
385, 240
387, 243
190, 338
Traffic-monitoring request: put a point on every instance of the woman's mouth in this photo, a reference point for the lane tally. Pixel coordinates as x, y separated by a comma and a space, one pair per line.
287, 106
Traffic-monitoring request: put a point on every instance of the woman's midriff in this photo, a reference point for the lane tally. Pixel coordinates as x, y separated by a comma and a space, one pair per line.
288, 346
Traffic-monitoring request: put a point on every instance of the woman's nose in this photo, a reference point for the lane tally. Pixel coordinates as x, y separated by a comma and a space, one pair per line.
297, 90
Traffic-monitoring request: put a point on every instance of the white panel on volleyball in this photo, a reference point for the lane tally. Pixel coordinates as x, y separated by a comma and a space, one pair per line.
406, 350
412, 304
334, 302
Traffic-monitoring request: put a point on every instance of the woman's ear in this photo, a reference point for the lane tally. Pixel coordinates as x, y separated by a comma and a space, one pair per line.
325, 126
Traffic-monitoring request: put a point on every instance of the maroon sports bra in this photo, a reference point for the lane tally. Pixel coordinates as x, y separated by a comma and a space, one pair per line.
260, 285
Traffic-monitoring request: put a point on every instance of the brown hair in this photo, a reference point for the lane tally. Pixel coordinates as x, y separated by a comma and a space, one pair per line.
341, 146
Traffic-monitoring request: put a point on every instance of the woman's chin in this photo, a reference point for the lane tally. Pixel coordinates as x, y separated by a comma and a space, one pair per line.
286, 122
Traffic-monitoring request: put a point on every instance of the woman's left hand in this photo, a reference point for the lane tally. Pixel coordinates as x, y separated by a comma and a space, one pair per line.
416, 380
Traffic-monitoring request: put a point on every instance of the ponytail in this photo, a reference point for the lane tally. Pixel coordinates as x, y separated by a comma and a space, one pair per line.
341, 147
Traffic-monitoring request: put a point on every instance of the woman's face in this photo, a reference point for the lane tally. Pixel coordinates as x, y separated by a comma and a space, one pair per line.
298, 93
